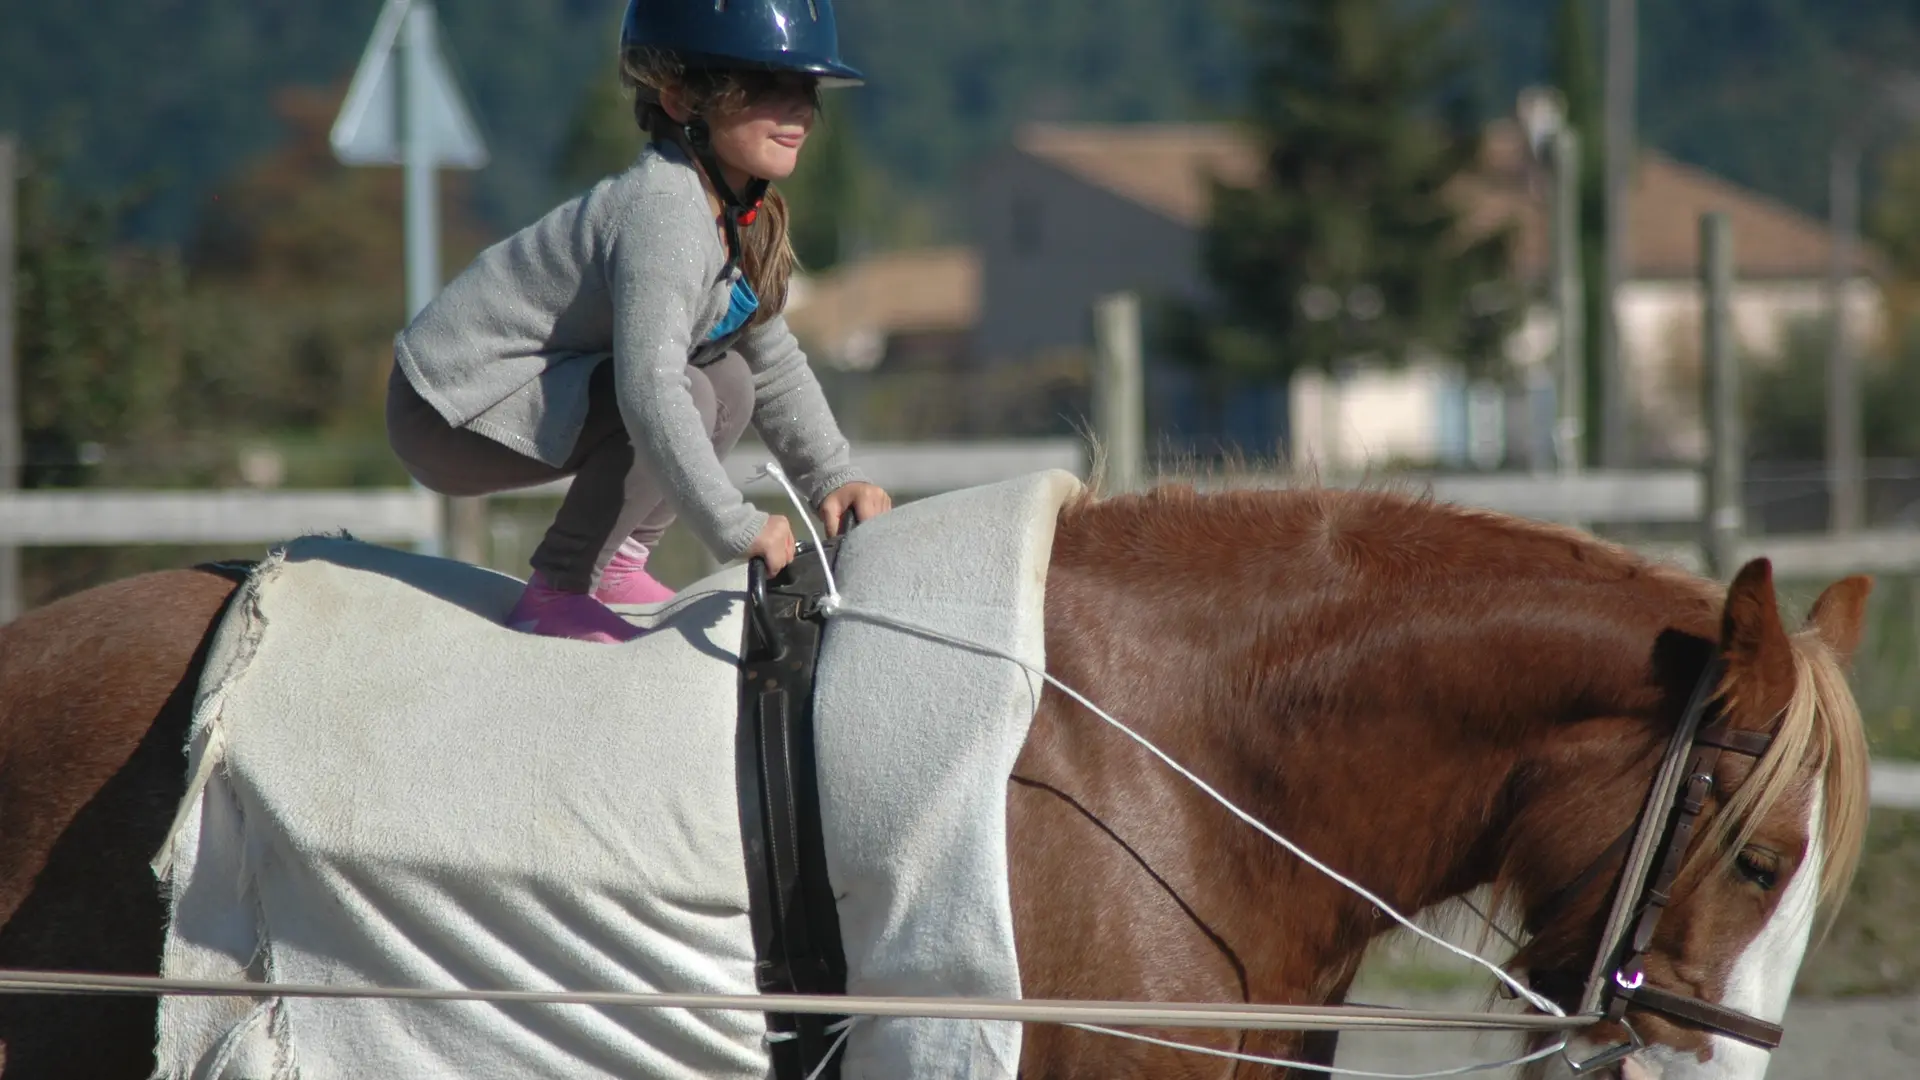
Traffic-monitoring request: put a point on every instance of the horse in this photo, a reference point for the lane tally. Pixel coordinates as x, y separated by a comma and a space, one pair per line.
1431, 698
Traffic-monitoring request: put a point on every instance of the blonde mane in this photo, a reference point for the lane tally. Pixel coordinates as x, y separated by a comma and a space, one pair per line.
1821, 732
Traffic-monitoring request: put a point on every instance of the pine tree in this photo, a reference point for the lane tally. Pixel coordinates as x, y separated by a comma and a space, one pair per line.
601, 139
1353, 242
99, 335
1893, 225
828, 191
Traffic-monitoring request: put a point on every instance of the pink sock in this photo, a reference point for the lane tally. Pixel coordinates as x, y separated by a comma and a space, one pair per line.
626, 581
549, 612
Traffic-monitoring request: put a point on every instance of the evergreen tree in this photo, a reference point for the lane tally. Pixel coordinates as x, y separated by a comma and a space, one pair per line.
1786, 398
828, 192
298, 285
1352, 243
98, 336
602, 137
1893, 224
1576, 70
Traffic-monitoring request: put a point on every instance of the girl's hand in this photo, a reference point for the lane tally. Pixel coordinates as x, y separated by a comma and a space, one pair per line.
774, 544
867, 502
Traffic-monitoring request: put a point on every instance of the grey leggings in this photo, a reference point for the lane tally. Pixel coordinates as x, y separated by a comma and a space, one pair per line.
612, 498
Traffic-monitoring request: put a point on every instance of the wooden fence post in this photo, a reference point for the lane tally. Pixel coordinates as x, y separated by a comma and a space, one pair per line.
1119, 396
1725, 515
12, 602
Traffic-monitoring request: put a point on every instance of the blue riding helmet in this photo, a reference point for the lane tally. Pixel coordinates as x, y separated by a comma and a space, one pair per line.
763, 35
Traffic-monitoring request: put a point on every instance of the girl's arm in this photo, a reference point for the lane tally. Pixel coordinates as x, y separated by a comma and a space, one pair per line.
658, 268
790, 411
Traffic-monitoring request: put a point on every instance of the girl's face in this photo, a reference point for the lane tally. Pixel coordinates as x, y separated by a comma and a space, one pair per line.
761, 134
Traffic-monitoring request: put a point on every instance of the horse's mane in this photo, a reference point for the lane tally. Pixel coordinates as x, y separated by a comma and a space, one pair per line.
1821, 724
1391, 512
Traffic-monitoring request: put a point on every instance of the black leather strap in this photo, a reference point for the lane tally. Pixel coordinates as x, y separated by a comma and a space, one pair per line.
796, 928
1715, 1018
1681, 809
1751, 743
1627, 986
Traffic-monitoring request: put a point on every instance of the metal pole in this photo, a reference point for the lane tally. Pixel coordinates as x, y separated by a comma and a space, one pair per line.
1119, 399
1844, 479
1622, 70
422, 194
1568, 300
1725, 516
12, 601
422, 200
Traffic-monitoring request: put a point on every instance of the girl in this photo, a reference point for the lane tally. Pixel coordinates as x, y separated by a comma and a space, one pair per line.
628, 337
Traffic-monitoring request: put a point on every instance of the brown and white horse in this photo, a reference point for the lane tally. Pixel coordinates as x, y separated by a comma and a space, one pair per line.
1428, 698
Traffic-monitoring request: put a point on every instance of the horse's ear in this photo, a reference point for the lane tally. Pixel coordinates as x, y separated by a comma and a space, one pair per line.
1840, 615
1751, 634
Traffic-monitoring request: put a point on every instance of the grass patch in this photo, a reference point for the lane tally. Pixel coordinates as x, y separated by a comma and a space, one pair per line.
1390, 973
1874, 946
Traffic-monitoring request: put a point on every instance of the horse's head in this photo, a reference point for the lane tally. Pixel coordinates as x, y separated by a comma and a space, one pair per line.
1783, 808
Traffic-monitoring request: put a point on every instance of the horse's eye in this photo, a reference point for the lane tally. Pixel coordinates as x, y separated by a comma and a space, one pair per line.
1759, 867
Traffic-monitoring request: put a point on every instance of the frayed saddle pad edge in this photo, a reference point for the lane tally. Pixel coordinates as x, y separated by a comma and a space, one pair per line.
231, 653
228, 658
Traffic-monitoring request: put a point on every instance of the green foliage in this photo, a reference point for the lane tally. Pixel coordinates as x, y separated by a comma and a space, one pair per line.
951, 78
99, 334
184, 91
1893, 224
602, 138
828, 192
1352, 242
1576, 65
1786, 400
181, 94
1756, 90
1894, 220
297, 284
152, 368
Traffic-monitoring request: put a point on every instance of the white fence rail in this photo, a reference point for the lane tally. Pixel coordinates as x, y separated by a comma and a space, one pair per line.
95, 516
1641, 498
36, 518
1896, 785
1675, 497
98, 516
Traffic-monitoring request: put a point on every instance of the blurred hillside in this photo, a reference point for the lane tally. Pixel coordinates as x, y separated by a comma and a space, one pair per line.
177, 97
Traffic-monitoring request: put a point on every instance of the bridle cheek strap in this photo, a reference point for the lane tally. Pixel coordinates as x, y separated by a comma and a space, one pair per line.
1620, 985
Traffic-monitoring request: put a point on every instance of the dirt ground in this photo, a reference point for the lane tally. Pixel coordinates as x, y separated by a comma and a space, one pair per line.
1855, 1038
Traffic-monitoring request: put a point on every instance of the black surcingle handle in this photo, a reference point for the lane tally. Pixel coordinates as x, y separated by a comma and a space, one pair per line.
768, 645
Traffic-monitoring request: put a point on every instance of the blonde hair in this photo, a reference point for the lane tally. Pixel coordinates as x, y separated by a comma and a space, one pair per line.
1822, 729
766, 246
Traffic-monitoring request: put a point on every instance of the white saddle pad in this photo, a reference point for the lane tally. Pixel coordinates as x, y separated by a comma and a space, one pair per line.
391, 788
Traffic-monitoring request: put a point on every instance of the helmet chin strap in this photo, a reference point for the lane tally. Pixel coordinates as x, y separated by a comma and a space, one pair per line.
740, 207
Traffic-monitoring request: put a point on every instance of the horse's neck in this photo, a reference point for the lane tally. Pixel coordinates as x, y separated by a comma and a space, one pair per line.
1384, 731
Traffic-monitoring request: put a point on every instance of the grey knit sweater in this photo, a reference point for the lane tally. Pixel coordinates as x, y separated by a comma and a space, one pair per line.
630, 271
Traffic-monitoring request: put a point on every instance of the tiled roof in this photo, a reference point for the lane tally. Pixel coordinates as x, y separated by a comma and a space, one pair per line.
1166, 167
934, 289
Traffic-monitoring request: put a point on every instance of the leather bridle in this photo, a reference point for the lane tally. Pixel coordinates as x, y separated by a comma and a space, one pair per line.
1656, 847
